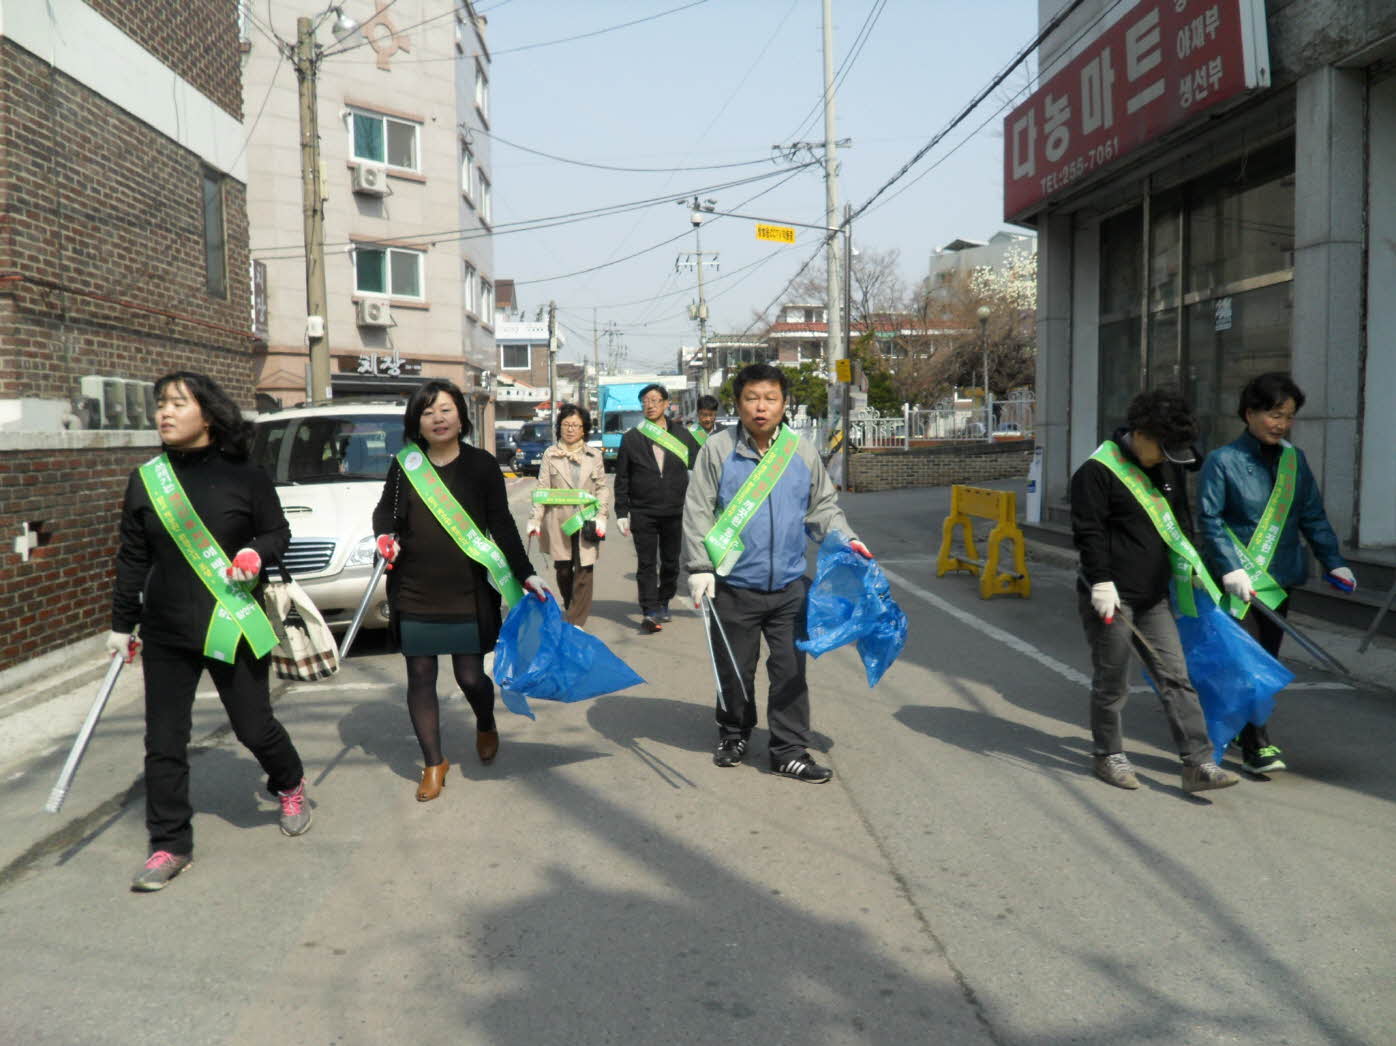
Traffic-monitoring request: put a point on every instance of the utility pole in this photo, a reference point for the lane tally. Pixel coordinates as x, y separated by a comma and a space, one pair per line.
313, 206
596, 364
848, 337
697, 209
834, 347
552, 363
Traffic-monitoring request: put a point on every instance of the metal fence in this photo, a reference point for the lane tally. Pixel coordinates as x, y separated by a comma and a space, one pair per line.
1012, 419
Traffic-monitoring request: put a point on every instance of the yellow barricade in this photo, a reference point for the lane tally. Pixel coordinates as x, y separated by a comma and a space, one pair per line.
1001, 506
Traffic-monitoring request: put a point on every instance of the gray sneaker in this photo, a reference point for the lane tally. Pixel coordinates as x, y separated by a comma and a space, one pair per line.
1115, 770
295, 813
159, 869
1206, 776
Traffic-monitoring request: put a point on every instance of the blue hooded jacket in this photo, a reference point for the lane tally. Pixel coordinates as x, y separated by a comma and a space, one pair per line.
1235, 487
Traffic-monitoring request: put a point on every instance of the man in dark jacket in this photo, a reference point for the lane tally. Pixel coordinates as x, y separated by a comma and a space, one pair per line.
651, 481
1126, 564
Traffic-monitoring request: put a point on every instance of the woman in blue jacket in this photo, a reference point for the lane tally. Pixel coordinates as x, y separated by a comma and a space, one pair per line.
1261, 482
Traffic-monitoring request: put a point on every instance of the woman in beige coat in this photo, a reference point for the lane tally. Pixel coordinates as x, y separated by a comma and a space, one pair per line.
569, 472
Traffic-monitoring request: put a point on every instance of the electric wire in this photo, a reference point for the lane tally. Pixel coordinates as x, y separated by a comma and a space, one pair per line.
271, 83
607, 167
874, 13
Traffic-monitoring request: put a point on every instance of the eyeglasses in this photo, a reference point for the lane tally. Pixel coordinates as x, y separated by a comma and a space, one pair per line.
573, 425
652, 401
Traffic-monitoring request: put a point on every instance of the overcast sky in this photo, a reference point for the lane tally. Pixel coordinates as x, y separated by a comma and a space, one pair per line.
717, 83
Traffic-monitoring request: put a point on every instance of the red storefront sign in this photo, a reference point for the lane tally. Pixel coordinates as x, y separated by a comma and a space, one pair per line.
1163, 63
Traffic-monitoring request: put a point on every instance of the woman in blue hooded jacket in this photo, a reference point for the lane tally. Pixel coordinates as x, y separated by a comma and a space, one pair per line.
1235, 500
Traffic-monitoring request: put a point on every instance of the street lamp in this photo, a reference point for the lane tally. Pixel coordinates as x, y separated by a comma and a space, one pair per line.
306, 56
984, 313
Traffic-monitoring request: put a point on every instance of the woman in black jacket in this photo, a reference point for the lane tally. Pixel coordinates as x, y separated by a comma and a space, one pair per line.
440, 600
205, 442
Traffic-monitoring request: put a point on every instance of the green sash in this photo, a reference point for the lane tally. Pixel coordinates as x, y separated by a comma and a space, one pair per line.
665, 439
1181, 553
236, 614
457, 522
1256, 556
723, 542
699, 433
561, 496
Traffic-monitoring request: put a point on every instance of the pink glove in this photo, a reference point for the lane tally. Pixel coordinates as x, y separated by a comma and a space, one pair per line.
388, 547
861, 549
247, 565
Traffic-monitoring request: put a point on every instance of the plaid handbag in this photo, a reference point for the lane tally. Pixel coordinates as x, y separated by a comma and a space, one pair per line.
306, 649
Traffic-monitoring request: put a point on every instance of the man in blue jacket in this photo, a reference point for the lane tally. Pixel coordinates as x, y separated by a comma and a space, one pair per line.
757, 495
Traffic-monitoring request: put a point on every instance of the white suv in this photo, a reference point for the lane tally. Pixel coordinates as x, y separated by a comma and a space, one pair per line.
329, 464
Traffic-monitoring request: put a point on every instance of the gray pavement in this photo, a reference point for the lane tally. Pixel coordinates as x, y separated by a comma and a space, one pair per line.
963, 879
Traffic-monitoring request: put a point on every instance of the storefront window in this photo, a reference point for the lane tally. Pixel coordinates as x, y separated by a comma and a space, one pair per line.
1220, 256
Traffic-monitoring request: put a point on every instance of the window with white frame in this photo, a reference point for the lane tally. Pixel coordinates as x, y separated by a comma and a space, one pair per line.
486, 301
482, 202
472, 301
391, 271
513, 357
376, 138
482, 91
467, 170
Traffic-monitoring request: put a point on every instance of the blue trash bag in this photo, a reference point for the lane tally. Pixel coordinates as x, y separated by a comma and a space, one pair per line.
539, 655
851, 602
1235, 679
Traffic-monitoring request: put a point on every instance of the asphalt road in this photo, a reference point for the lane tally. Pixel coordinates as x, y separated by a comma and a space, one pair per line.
963, 879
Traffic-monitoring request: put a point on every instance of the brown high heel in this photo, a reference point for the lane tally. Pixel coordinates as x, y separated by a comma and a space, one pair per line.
433, 780
487, 744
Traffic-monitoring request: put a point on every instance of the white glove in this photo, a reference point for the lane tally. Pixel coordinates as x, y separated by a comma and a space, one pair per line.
624, 524
121, 643
1238, 583
1105, 600
538, 587
1346, 576
534, 529
600, 528
701, 585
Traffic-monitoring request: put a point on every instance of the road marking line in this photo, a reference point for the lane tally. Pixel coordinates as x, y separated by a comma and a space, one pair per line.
1008, 639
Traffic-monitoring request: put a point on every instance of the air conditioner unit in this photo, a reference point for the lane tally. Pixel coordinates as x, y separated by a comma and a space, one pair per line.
372, 312
369, 180
110, 395
140, 404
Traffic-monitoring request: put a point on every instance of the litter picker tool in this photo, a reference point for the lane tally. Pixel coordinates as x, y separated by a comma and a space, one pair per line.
378, 568
710, 618
1376, 621
70, 768
1316, 651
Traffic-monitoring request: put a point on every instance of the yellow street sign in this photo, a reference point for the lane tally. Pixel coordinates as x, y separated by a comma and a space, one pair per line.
843, 369
778, 233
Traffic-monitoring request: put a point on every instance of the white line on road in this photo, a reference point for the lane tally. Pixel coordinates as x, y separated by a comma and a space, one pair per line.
1028, 650
1008, 639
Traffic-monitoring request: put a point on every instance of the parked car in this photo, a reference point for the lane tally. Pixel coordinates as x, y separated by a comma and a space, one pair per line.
534, 438
504, 446
328, 464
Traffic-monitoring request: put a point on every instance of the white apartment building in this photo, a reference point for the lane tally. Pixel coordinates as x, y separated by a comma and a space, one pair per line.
403, 111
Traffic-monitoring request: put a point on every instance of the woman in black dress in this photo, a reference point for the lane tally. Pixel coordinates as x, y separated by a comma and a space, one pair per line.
204, 460
440, 600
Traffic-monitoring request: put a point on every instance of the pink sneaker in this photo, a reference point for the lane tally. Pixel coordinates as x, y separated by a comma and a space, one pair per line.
295, 813
159, 869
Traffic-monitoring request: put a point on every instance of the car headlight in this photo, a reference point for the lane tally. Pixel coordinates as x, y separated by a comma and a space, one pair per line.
361, 555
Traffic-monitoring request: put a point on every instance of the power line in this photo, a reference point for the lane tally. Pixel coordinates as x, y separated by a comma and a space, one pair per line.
874, 13
607, 167
974, 103
280, 61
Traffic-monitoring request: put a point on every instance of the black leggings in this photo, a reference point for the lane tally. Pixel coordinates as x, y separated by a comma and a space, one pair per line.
425, 709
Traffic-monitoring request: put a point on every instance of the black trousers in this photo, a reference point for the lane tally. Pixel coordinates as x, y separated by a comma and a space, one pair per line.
1269, 635
171, 677
747, 615
657, 542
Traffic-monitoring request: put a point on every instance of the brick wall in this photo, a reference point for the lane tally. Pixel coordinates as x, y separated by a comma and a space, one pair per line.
940, 466
97, 202
64, 592
102, 271
195, 38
